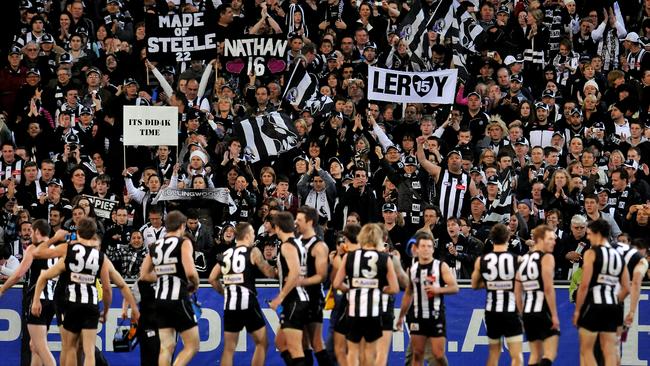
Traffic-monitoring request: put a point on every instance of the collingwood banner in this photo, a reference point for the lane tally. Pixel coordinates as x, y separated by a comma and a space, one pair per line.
216, 194
181, 37
266, 136
257, 54
412, 87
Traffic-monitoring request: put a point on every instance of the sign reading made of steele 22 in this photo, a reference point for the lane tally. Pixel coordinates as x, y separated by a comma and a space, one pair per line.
181, 37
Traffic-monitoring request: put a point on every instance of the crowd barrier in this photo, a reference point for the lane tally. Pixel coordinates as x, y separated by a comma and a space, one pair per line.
466, 334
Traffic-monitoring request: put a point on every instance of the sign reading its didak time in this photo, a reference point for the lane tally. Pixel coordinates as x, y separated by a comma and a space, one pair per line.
150, 126
412, 87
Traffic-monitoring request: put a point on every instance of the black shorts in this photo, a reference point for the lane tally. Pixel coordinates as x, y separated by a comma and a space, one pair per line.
294, 314
59, 311
430, 328
47, 313
387, 320
80, 316
599, 318
370, 329
502, 325
251, 319
620, 315
538, 326
176, 314
315, 310
342, 325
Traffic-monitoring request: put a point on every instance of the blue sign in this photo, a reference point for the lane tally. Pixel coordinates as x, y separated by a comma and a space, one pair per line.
467, 342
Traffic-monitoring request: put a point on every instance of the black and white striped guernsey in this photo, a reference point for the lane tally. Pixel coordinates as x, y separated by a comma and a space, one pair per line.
315, 291
605, 278
422, 275
366, 270
167, 261
14, 170
451, 190
238, 279
498, 271
532, 283
83, 265
298, 293
39, 265
630, 255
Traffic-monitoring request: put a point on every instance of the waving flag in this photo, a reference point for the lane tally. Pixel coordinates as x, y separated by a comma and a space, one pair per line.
266, 136
302, 92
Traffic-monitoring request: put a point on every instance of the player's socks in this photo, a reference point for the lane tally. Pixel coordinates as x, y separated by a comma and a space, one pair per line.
286, 356
545, 362
309, 357
323, 358
300, 361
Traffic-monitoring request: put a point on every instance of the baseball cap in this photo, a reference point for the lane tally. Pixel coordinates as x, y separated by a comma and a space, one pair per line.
82, 31
55, 181
541, 105
169, 70
503, 9
474, 94
493, 180
454, 152
92, 70
410, 160
522, 141
334, 159
86, 110
332, 57
65, 58
300, 157
598, 126
479, 198
47, 38
629, 163
475, 170
548, 93
33, 71
389, 207
15, 50
392, 147
372, 45
526, 202
577, 111
72, 139
517, 78
633, 37
129, 81
509, 60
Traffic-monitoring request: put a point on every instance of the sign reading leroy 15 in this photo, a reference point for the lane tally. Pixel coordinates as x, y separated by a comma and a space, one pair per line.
259, 55
181, 37
411, 87
150, 126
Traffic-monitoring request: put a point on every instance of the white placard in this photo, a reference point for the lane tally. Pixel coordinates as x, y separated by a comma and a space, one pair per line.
150, 126
412, 87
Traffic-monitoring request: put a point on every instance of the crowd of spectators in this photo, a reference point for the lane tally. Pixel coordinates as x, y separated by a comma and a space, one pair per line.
556, 108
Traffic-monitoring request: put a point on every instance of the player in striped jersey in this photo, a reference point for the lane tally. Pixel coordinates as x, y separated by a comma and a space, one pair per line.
82, 266
540, 317
241, 309
293, 298
637, 266
37, 326
370, 274
171, 264
605, 283
430, 279
339, 316
496, 272
317, 263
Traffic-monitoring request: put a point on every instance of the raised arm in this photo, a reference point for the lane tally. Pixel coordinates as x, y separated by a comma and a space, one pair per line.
20, 271
431, 168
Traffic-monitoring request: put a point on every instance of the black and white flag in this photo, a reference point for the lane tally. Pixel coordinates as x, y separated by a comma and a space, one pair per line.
266, 136
302, 92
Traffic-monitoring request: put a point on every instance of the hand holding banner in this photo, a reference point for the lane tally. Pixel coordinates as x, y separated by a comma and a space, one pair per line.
412, 87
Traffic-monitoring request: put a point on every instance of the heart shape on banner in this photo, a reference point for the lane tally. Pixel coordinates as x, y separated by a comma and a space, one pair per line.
235, 66
422, 86
276, 65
